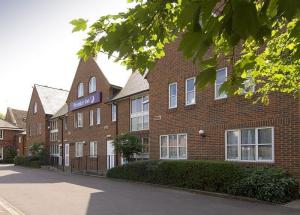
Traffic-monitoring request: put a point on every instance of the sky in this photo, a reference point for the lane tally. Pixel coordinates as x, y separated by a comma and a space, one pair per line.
37, 45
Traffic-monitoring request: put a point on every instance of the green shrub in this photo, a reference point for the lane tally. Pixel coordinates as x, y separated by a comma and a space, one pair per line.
10, 153
268, 184
28, 161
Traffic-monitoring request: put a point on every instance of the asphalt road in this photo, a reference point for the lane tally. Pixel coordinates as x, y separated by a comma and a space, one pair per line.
36, 192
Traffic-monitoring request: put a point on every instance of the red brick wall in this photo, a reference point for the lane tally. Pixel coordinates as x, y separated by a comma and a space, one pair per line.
9, 139
215, 116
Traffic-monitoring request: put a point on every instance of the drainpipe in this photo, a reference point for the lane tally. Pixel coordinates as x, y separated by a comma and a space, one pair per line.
62, 142
117, 131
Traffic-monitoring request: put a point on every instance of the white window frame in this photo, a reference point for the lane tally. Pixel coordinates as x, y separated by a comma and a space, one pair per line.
80, 90
92, 84
35, 108
193, 91
91, 117
141, 114
1, 134
93, 149
168, 147
252, 89
113, 112
98, 116
171, 96
216, 94
239, 159
79, 151
1, 152
79, 120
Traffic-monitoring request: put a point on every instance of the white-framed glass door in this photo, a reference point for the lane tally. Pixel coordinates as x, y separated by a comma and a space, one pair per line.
67, 155
110, 154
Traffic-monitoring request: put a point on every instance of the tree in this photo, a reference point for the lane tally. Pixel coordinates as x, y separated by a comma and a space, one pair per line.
2, 116
36, 149
128, 145
267, 31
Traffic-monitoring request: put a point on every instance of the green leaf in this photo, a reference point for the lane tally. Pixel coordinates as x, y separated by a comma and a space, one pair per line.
272, 8
208, 72
79, 24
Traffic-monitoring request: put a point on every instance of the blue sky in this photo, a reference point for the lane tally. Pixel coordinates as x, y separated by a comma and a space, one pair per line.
37, 44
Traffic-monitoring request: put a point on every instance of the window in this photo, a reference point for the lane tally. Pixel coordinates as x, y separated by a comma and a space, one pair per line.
190, 91
173, 146
92, 85
79, 120
145, 142
220, 79
66, 123
98, 116
140, 113
80, 90
1, 135
93, 149
1, 153
91, 117
53, 131
20, 139
35, 108
172, 95
251, 144
30, 131
249, 85
113, 112
79, 149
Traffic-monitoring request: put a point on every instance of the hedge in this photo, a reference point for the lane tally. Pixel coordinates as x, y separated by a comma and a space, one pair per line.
28, 161
271, 184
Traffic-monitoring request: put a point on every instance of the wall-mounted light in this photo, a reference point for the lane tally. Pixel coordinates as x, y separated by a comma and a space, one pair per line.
202, 133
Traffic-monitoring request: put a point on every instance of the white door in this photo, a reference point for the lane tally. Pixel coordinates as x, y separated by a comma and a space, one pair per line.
67, 154
110, 154
60, 155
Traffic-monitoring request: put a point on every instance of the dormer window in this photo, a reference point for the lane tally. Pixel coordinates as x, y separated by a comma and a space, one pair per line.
92, 85
80, 90
35, 108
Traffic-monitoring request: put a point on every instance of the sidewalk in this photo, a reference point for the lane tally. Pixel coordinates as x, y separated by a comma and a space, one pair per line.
294, 204
7, 209
3, 211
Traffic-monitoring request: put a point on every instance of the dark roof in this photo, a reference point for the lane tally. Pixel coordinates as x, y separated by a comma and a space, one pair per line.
18, 117
6, 125
52, 98
136, 84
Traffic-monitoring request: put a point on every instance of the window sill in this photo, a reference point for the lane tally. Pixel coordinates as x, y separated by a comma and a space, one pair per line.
191, 106
251, 161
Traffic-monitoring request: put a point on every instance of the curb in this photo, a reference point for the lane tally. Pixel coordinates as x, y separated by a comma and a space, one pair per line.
10, 208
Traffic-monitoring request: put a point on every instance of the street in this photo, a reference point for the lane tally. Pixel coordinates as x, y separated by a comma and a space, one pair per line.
36, 192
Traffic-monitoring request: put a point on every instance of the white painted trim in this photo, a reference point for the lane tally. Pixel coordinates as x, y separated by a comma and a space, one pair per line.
2, 134
174, 83
1, 148
168, 156
223, 97
186, 80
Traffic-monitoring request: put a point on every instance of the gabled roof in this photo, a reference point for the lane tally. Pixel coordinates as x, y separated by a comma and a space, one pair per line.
17, 117
136, 84
6, 125
115, 73
61, 112
52, 98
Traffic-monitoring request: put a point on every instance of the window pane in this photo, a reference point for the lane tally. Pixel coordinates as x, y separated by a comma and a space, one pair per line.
221, 76
248, 136
182, 140
164, 141
220, 94
232, 137
139, 123
265, 136
173, 152
190, 85
164, 152
173, 140
146, 107
265, 152
146, 122
182, 152
173, 101
173, 89
248, 153
190, 98
232, 152
134, 122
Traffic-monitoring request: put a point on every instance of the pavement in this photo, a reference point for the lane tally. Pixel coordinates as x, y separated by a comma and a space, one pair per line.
36, 192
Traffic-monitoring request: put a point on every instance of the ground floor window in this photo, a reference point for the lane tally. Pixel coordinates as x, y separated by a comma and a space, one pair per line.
250, 144
54, 149
93, 149
1, 153
173, 146
79, 149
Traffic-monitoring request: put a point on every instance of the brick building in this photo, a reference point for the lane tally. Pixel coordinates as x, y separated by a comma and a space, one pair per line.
208, 125
44, 103
18, 119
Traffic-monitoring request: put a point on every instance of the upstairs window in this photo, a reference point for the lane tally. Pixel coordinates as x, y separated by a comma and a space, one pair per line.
98, 117
249, 85
190, 91
1, 135
221, 77
113, 112
91, 117
80, 90
79, 120
92, 85
35, 108
172, 95
140, 113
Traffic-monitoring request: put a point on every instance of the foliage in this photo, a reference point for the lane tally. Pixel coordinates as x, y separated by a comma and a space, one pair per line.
9, 154
137, 39
265, 184
268, 184
2, 116
128, 145
27, 161
36, 149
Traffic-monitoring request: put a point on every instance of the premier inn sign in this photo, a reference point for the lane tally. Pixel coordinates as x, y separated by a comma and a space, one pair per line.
91, 99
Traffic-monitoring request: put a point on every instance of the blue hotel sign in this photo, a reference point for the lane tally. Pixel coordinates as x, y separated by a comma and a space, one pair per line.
91, 99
